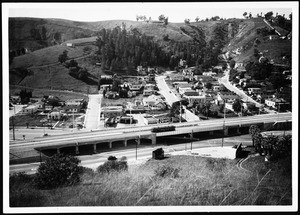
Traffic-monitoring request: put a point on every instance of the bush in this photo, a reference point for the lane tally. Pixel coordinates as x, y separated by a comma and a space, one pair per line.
59, 170
111, 158
112, 165
167, 171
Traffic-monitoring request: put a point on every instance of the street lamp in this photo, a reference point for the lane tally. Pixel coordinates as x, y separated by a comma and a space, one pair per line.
224, 123
13, 124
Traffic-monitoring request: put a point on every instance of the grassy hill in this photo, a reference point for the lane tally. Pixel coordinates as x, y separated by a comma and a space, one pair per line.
175, 181
236, 33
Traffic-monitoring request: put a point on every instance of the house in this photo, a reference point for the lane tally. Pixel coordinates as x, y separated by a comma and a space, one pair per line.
216, 87
72, 109
273, 37
149, 86
182, 63
175, 83
31, 109
74, 102
225, 96
147, 92
141, 70
112, 111
276, 103
153, 101
151, 120
106, 87
229, 106
111, 95
56, 115
254, 90
69, 44
210, 73
135, 87
193, 96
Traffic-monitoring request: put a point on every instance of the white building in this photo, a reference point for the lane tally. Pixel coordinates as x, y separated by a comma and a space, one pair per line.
30, 109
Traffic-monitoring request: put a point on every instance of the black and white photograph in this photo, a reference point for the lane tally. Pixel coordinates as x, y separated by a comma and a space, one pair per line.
150, 107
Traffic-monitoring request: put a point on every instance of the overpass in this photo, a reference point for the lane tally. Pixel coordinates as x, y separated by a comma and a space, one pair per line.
145, 132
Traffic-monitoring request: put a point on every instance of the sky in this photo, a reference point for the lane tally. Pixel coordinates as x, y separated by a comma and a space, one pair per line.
176, 11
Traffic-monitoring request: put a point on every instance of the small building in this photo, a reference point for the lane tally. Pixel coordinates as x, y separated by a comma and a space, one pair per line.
112, 111
254, 90
147, 92
276, 103
31, 109
193, 96
151, 120
210, 73
56, 115
223, 97
74, 102
15, 99
72, 109
69, 44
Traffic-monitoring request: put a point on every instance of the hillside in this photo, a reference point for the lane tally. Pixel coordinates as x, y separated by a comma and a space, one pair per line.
235, 36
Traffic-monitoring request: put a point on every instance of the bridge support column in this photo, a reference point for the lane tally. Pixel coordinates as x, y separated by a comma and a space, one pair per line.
138, 141
153, 139
125, 143
58, 150
95, 148
225, 131
211, 133
77, 149
110, 145
238, 131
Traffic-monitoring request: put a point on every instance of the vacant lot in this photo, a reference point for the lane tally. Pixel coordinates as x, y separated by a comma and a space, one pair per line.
178, 180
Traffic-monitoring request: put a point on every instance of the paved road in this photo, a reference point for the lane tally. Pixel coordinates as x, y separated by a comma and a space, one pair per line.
143, 153
225, 81
92, 119
171, 98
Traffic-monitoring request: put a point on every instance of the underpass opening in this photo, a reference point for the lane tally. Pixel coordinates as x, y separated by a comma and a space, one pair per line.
145, 141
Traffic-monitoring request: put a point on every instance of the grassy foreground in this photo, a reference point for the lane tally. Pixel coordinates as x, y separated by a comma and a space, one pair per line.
197, 181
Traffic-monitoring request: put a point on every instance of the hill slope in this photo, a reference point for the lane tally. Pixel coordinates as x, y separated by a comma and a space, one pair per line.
231, 34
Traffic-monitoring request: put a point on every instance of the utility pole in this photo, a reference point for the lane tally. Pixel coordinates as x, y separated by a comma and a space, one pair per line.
13, 124
180, 112
192, 137
73, 122
224, 123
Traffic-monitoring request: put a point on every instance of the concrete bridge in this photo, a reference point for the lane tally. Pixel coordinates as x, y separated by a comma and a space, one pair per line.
110, 136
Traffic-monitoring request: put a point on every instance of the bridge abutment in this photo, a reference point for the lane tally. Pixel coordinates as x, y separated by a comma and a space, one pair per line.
125, 143
110, 145
153, 139
76, 149
95, 148
226, 132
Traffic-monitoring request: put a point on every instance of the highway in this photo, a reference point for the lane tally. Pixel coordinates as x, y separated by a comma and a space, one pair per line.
108, 135
143, 153
92, 117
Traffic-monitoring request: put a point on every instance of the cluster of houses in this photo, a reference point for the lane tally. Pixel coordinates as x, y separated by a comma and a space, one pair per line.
51, 105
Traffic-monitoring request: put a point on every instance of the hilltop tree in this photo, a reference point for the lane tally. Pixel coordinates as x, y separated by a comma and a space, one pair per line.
161, 17
268, 15
187, 21
197, 19
245, 15
250, 15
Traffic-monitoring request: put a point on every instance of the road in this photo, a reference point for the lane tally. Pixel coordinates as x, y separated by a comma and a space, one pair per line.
92, 118
225, 81
171, 98
143, 153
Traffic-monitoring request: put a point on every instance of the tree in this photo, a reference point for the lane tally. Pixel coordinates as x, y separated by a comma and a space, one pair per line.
166, 21
57, 171
290, 16
254, 131
187, 21
245, 14
250, 15
197, 19
232, 64
204, 108
63, 57
268, 15
161, 17
237, 105
208, 85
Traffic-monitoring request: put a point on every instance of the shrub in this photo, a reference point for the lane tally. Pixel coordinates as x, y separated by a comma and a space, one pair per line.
111, 158
167, 171
112, 165
57, 171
